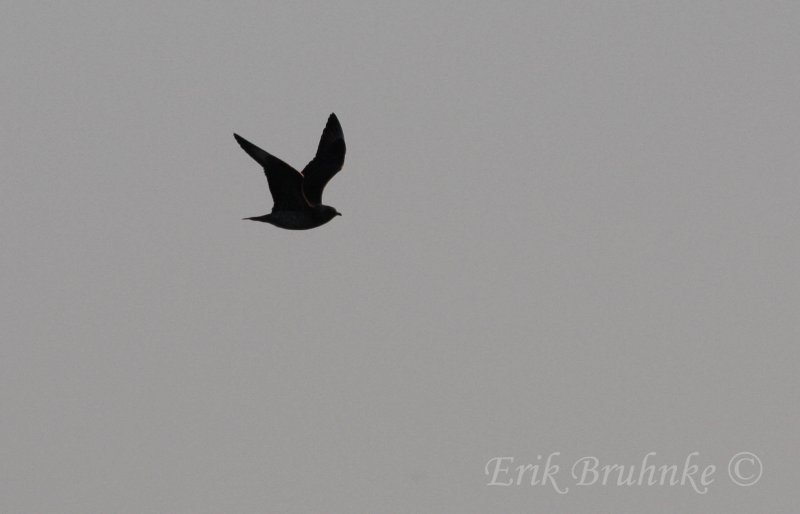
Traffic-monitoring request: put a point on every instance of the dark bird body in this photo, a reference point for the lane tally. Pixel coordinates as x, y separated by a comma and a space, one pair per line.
297, 196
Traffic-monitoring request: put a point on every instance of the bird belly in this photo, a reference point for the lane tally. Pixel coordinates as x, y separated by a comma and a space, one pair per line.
294, 220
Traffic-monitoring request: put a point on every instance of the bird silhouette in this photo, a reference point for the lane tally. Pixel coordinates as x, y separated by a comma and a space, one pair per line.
297, 196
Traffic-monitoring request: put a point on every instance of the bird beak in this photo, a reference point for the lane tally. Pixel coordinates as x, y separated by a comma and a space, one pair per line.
338, 213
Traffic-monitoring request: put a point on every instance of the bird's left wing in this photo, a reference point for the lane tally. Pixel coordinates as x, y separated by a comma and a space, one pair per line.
285, 183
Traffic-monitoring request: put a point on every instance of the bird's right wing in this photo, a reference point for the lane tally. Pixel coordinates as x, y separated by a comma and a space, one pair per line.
285, 182
327, 163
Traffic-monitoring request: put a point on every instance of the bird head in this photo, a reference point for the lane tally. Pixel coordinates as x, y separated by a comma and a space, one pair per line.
328, 212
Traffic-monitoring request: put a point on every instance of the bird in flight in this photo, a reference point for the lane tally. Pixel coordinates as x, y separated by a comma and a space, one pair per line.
297, 196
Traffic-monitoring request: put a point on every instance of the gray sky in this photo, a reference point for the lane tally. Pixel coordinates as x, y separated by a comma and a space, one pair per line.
567, 227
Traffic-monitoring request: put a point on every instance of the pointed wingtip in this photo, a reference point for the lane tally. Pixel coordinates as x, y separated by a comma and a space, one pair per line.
246, 145
333, 123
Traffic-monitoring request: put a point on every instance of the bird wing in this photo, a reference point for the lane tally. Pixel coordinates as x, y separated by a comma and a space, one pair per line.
285, 183
327, 162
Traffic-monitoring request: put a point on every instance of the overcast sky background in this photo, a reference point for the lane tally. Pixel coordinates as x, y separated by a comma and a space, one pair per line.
567, 227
